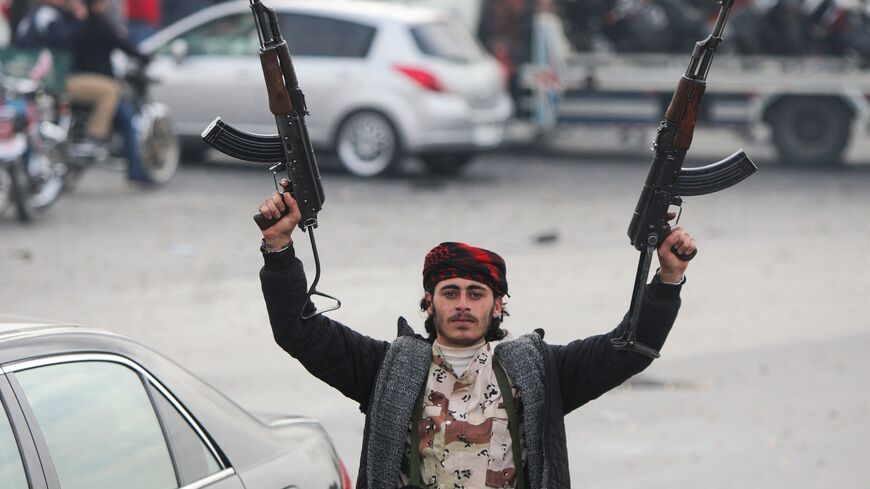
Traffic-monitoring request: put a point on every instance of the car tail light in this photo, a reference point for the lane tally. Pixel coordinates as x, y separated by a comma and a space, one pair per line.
424, 78
345, 477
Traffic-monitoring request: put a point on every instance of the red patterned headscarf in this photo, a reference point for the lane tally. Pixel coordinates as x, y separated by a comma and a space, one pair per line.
452, 260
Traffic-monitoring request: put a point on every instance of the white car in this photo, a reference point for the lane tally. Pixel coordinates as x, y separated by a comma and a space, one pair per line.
381, 81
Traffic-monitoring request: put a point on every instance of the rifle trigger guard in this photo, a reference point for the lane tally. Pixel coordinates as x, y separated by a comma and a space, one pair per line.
679, 214
275, 169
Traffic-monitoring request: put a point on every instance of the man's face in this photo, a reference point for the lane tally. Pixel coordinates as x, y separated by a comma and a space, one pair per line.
462, 310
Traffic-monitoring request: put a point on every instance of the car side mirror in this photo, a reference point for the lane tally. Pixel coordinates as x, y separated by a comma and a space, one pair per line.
178, 50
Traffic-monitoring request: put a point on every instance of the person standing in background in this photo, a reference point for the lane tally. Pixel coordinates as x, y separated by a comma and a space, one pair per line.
506, 30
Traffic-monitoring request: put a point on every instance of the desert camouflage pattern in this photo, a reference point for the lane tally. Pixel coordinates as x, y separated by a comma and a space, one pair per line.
464, 438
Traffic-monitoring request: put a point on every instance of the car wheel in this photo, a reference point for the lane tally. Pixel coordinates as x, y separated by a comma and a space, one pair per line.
446, 164
367, 144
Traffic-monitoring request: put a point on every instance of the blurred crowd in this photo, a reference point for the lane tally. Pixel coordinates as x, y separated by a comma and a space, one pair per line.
135, 19
764, 27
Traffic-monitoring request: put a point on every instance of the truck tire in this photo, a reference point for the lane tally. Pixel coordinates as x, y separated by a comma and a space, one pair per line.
811, 131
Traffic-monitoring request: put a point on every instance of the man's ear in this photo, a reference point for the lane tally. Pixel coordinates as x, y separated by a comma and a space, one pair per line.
428, 298
498, 307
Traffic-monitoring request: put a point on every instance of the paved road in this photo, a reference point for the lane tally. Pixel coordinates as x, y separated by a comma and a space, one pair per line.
759, 384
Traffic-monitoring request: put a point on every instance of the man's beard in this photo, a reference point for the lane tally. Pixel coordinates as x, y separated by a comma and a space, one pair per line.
436, 321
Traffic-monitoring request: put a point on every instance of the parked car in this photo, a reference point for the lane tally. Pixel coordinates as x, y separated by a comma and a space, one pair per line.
82, 408
382, 81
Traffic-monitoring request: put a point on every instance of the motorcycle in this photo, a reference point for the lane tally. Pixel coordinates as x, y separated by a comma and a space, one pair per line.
31, 163
152, 133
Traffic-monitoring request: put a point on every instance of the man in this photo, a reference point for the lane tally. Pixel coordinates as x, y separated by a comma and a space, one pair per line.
92, 54
85, 32
58, 25
437, 413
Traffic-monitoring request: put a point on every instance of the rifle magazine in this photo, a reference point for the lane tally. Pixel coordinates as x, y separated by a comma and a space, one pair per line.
715, 177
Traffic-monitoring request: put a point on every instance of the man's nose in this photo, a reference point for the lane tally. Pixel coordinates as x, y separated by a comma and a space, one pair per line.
463, 303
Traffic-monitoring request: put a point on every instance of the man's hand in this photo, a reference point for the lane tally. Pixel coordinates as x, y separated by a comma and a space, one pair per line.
278, 235
671, 268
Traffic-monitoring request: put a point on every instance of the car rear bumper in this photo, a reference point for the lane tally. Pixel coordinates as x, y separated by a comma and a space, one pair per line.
452, 125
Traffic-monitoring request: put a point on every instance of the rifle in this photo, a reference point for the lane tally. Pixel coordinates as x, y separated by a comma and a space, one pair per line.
290, 150
667, 181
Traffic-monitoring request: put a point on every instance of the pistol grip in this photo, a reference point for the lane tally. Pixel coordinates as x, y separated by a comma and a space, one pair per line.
682, 256
265, 223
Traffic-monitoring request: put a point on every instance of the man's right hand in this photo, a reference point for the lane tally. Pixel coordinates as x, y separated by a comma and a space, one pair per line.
278, 235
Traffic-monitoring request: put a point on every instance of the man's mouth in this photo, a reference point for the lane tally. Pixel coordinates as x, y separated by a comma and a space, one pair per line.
463, 320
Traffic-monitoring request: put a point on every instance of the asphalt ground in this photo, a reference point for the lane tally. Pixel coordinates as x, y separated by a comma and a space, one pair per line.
758, 386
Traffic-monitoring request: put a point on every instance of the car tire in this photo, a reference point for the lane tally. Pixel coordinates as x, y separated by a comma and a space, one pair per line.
446, 164
367, 144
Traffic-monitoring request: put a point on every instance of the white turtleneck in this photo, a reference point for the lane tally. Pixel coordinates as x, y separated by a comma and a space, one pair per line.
459, 358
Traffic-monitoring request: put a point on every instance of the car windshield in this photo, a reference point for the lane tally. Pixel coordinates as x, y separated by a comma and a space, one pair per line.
447, 40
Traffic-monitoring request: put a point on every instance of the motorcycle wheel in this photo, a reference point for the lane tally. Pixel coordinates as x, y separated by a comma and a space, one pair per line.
48, 182
160, 150
72, 176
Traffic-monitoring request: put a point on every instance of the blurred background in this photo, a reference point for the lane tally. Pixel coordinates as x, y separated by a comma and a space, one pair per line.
521, 126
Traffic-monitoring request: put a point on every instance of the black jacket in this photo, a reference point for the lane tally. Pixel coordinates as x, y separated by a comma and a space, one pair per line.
94, 46
349, 361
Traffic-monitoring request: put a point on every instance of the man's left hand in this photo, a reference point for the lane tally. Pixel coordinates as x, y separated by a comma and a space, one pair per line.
671, 268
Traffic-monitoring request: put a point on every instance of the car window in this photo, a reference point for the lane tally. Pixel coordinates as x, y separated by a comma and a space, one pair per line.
309, 35
232, 35
448, 40
99, 425
192, 457
11, 466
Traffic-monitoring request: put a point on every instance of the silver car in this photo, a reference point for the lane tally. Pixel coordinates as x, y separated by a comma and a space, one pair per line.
382, 81
82, 408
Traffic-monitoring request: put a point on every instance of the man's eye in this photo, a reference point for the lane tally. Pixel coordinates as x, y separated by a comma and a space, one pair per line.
450, 294
476, 295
